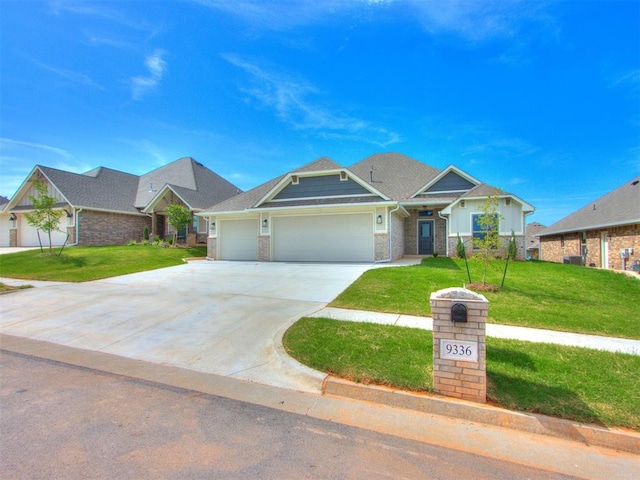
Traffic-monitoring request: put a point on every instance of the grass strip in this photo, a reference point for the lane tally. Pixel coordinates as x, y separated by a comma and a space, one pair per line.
574, 383
81, 264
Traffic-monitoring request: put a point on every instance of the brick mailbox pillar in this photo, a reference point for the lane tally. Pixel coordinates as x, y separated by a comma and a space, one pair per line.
459, 348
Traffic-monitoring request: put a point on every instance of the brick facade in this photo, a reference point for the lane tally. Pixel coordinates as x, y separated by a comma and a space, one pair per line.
456, 378
212, 247
105, 228
411, 232
264, 248
554, 248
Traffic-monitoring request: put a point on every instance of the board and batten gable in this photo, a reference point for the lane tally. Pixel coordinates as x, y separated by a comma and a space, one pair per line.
320, 187
511, 211
451, 182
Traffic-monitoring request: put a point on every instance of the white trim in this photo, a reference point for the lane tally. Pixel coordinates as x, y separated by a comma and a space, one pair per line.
437, 178
268, 197
298, 199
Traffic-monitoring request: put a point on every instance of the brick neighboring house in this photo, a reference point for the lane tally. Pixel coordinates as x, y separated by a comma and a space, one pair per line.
380, 209
595, 234
109, 207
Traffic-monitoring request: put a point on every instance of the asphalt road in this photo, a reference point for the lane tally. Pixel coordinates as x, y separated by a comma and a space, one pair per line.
61, 421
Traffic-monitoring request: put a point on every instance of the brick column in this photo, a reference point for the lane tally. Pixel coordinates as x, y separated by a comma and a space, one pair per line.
459, 348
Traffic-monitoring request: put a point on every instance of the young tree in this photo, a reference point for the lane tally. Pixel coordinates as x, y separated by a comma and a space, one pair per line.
462, 253
512, 253
178, 217
44, 216
487, 238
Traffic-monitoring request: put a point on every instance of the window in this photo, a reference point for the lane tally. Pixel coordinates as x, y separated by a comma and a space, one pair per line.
199, 224
478, 230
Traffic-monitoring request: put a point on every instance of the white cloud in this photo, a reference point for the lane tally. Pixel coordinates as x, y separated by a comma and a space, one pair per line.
74, 77
473, 20
6, 143
290, 99
157, 67
150, 149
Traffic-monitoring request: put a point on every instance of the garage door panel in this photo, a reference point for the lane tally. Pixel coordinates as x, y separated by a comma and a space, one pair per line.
238, 239
29, 235
323, 238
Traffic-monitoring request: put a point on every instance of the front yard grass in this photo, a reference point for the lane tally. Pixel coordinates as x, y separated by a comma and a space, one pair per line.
81, 264
536, 294
574, 383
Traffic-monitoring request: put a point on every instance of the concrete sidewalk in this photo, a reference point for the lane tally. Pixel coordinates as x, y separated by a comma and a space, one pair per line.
610, 344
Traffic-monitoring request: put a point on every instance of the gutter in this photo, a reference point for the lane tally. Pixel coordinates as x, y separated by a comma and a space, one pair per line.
387, 260
77, 221
446, 222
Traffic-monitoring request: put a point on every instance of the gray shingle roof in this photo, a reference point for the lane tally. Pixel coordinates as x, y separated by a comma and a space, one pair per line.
195, 183
395, 175
619, 207
103, 188
111, 190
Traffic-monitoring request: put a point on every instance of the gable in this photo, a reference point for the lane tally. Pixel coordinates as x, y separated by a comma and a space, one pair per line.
320, 187
451, 182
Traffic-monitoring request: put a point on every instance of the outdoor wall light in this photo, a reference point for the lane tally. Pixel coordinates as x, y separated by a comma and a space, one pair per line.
265, 223
213, 224
379, 220
13, 217
69, 214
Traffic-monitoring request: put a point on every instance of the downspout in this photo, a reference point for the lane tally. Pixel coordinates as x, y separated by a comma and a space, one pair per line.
446, 229
387, 260
77, 216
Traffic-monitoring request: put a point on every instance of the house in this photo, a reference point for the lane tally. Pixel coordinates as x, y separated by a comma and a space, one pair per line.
109, 207
380, 209
598, 233
533, 241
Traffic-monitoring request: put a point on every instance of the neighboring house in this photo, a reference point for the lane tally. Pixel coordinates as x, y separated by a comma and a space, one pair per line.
109, 207
4, 222
533, 242
380, 209
596, 234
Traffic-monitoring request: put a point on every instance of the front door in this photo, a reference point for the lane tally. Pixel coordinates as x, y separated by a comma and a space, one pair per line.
425, 237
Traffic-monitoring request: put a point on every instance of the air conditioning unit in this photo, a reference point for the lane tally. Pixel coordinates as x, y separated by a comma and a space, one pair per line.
573, 259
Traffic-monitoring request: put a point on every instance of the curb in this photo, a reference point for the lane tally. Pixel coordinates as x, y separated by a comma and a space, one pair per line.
525, 422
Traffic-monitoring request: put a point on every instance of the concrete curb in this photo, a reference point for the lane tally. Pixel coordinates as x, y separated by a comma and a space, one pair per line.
526, 422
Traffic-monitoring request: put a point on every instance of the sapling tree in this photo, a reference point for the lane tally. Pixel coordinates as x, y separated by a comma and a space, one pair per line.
462, 253
178, 217
44, 215
486, 238
512, 253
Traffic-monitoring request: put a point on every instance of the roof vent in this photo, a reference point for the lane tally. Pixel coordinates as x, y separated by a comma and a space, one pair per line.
151, 190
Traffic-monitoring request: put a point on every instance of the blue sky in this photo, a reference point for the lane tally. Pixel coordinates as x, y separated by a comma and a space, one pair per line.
539, 98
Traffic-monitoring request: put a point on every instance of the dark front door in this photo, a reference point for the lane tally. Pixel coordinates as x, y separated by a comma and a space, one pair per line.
425, 237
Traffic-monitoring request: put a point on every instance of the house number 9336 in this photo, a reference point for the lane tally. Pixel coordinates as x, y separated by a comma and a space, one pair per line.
459, 350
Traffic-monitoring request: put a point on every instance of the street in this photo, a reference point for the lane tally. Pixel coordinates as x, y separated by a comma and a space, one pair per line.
61, 421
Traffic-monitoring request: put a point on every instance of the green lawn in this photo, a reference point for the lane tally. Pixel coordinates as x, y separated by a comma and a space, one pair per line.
535, 294
567, 382
81, 264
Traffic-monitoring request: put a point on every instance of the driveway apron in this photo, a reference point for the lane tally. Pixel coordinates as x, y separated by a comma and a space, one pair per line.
225, 318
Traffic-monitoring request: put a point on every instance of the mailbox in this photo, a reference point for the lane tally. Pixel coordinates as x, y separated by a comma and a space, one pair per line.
459, 313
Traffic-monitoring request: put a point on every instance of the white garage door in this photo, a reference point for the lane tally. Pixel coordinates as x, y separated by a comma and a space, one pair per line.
5, 225
29, 235
323, 238
238, 239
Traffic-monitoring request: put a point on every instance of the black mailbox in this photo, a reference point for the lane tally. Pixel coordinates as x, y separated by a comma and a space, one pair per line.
459, 313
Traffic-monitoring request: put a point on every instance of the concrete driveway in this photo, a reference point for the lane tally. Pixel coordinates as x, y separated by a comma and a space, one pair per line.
219, 317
